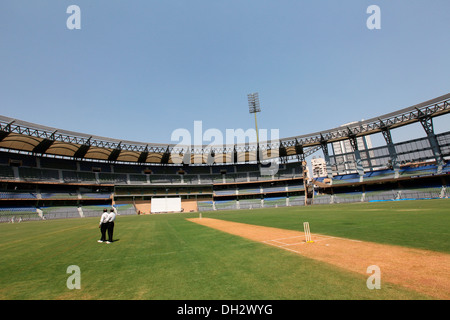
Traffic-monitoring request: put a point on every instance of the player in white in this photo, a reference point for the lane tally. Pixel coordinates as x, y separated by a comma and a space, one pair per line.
103, 225
111, 219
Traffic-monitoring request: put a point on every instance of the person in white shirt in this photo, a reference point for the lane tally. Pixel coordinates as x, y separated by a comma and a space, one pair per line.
111, 219
103, 225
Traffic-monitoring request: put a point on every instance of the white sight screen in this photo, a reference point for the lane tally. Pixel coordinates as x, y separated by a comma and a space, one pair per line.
166, 205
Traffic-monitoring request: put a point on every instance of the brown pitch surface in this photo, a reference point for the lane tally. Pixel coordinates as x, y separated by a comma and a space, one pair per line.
424, 271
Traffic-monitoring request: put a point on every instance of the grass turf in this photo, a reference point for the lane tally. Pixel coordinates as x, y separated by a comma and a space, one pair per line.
421, 224
167, 257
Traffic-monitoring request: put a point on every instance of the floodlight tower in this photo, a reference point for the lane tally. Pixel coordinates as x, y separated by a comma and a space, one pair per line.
254, 107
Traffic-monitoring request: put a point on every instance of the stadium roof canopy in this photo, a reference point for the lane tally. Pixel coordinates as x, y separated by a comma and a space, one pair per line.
37, 139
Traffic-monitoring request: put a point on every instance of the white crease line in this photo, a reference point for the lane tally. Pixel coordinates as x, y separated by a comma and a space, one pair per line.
321, 238
339, 238
294, 244
287, 238
283, 243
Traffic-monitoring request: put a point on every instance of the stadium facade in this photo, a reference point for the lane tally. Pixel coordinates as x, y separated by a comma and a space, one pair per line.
54, 173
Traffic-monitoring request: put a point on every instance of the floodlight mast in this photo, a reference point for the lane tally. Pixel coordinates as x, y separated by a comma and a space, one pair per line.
254, 107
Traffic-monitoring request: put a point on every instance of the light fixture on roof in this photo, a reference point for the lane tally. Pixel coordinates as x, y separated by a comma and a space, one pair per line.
254, 107
253, 102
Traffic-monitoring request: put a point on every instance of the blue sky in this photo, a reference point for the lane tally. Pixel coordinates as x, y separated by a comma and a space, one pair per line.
138, 70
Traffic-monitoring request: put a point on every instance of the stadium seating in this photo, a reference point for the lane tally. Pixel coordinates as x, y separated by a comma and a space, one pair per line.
250, 204
275, 189
105, 176
59, 195
236, 186
419, 171
274, 202
17, 195
18, 214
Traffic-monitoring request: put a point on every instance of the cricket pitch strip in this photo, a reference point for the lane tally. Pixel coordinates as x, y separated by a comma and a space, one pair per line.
420, 270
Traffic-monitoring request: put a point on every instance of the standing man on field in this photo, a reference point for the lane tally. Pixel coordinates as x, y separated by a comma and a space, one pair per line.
103, 225
111, 219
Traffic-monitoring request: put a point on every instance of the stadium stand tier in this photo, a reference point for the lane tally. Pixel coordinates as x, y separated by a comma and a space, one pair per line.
48, 173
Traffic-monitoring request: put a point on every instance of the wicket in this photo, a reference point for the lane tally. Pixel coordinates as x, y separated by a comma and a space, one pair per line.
307, 232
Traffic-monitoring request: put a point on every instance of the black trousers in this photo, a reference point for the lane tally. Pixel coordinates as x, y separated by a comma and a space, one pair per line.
110, 231
103, 229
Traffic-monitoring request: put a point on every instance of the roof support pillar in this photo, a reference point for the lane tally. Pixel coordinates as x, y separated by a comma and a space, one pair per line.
427, 124
359, 166
392, 153
324, 145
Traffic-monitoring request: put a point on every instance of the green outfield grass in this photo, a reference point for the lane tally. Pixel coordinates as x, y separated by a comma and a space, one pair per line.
168, 257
